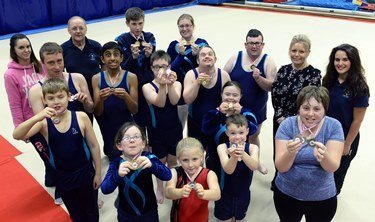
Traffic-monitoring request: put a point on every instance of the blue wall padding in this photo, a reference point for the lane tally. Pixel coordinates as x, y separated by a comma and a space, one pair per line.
62, 10
17, 14
339, 4
20, 15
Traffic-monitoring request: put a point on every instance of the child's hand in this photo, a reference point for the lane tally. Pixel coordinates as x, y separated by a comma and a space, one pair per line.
119, 92
105, 93
199, 190
46, 113
135, 50
124, 168
239, 151
81, 97
171, 77
186, 191
147, 47
223, 108
194, 49
161, 78
237, 108
231, 151
143, 162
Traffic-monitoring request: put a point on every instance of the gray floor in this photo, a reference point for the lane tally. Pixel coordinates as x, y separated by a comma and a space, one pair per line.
225, 29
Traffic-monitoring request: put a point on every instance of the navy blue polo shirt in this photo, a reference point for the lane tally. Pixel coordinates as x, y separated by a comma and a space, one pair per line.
86, 61
342, 103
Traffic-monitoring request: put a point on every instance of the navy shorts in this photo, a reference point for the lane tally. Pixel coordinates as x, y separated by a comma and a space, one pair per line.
151, 216
164, 142
229, 206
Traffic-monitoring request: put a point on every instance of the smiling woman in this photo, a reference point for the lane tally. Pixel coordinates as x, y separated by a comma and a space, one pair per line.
308, 164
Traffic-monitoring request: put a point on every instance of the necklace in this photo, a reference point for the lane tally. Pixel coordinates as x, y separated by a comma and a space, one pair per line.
57, 120
113, 81
192, 178
309, 140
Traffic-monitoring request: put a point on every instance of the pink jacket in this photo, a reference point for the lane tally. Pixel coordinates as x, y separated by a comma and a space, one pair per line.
18, 81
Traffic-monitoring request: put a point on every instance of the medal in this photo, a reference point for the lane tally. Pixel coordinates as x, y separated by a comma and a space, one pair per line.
204, 81
235, 145
230, 106
299, 138
192, 184
308, 141
183, 42
56, 120
72, 98
252, 67
311, 142
192, 42
134, 165
137, 44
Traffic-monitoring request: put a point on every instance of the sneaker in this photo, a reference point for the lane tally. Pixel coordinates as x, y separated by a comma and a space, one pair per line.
59, 201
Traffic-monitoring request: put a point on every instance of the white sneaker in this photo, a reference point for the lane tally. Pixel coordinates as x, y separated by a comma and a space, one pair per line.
59, 201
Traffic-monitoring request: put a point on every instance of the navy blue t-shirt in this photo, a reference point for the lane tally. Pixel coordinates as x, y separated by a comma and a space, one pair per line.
342, 102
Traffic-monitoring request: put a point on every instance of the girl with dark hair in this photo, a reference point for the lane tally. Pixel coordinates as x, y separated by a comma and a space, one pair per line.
349, 95
24, 71
132, 174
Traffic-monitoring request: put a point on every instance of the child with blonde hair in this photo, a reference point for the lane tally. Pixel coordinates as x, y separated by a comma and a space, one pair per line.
192, 185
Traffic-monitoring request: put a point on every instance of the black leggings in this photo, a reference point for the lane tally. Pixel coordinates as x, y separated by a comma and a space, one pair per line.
340, 173
292, 210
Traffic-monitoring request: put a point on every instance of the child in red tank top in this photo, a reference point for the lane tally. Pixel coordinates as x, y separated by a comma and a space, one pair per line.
191, 186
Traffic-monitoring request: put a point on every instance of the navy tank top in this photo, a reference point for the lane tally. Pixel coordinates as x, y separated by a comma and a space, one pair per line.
163, 118
238, 183
68, 150
206, 100
75, 104
115, 114
254, 97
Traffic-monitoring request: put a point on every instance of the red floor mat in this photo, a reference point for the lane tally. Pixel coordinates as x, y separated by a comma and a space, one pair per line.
22, 198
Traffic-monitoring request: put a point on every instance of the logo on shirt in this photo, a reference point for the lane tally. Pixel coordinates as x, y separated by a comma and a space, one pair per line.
347, 94
92, 56
74, 131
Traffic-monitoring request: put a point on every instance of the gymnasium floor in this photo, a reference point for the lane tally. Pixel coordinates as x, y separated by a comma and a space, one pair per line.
225, 30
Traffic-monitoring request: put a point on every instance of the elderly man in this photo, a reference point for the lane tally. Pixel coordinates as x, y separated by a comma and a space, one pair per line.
81, 55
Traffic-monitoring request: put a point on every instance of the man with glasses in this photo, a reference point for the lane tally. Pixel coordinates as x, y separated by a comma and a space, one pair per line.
81, 55
255, 71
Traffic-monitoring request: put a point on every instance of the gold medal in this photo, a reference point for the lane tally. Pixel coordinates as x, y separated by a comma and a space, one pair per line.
252, 67
230, 106
192, 42
137, 44
204, 82
183, 42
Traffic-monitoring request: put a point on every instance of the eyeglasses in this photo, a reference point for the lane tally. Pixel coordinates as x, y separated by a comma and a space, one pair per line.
257, 44
128, 138
157, 68
184, 26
